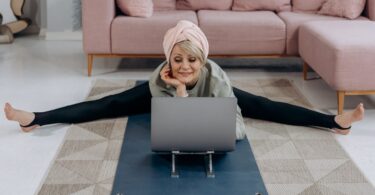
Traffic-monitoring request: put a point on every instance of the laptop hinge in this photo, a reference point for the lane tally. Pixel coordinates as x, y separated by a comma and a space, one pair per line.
209, 167
174, 173
208, 163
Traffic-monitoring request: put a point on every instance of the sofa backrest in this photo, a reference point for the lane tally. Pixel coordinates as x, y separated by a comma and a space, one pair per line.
164, 5
204, 4
308, 6
237, 5
312, 6
269, 5
298, 5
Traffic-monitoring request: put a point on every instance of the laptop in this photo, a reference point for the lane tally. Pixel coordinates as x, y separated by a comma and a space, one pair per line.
193, 124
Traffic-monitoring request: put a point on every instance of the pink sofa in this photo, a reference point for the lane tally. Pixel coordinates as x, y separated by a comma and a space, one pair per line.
230, 33
342, 53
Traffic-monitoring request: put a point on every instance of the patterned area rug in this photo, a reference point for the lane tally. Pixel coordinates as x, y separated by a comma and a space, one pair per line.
291, 159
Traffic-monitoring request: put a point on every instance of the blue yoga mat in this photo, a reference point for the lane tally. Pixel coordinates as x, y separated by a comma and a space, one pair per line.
140, 171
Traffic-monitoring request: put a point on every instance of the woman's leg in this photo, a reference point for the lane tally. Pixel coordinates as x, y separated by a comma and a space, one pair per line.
133, 101
265, 109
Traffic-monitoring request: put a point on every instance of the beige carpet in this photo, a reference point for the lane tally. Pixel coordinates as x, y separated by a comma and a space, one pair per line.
292, 160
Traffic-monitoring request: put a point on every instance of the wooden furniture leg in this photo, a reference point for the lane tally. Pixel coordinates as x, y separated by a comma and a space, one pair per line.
90, 59
305, 69
340, 101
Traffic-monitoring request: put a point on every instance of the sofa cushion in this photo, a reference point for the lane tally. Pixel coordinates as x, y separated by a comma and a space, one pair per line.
370, 9
97, 16
294, 20
204, 4
309, 6
140, 8
343, 8
132, 35
251, 33
164, 5
341, 52
252, 5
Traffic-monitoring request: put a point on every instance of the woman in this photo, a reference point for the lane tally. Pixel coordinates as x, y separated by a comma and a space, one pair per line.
186, 72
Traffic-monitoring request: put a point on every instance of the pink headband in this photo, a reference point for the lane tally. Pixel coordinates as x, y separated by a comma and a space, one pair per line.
185, 30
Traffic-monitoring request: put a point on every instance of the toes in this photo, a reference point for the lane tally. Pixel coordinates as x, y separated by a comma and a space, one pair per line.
8, 106
360, 111
8, 114
360, 106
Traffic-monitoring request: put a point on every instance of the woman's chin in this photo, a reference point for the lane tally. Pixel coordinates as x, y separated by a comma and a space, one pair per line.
184, 80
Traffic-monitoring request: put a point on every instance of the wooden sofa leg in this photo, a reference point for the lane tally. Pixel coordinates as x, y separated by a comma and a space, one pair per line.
90, 58
305, 69
340, 101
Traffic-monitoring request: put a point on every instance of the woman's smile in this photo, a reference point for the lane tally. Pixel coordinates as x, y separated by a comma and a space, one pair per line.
185, 74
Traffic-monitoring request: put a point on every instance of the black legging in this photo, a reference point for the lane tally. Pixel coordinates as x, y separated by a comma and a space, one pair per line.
138, 100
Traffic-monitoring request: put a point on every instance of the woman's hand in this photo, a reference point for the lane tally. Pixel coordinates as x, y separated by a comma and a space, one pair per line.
180, 86
165, 76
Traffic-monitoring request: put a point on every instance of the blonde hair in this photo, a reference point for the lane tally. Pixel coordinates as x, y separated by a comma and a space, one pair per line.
188, 47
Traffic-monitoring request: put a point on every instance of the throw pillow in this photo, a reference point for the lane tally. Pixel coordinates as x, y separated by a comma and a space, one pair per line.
164, 5
309, 6
6, 11
343, 8
204, 4
138, 8
251, 5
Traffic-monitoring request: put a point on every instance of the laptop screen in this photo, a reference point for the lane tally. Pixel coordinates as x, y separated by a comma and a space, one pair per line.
194, 124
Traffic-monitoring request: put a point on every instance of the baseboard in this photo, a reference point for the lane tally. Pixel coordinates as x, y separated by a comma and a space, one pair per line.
42, 32
62, 36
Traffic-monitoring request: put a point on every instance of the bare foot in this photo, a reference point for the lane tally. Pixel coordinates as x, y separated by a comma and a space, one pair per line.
346, 119
22, 117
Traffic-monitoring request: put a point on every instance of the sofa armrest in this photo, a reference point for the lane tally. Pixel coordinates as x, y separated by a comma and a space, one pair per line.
370, 9
97, 16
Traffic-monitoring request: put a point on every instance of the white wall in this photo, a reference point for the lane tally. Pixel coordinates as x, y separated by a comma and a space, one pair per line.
53, 17
62, 15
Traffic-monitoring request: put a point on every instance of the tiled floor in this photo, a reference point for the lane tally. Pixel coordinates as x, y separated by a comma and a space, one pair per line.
38, 75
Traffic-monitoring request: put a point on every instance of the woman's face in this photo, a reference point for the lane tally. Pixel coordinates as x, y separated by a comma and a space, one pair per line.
185, 67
